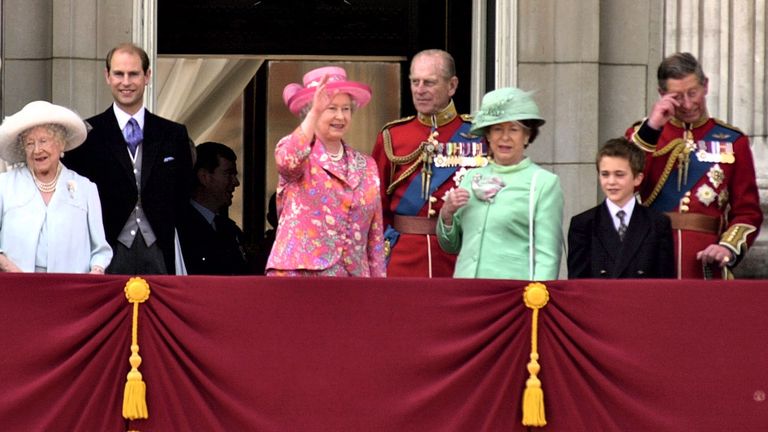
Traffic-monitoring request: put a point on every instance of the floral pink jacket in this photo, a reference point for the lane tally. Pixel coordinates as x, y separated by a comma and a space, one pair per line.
328, 218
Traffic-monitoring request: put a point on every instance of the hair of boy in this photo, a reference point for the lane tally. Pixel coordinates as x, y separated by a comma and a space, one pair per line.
624, 149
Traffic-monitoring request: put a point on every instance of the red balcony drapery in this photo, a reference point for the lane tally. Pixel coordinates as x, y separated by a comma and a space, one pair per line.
264, 354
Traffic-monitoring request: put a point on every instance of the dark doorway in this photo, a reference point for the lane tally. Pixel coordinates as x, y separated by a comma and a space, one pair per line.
306, 29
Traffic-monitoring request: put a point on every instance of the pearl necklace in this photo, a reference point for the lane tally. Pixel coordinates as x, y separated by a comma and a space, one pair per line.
49, 186
338, 155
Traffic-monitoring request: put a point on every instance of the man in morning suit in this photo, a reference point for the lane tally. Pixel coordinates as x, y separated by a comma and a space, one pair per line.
141, 164
211, 242
700, 171
421, 158
620, 238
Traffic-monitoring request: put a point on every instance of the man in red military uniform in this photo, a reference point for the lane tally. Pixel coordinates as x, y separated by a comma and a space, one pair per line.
700, 172
420, 159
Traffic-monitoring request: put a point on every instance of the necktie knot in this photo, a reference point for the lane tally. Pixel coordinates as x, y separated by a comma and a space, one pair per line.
622, 225
133, 135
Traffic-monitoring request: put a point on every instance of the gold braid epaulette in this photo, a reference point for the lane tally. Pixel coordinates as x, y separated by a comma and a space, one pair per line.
676, 146
411, 158
728, 125
398, 121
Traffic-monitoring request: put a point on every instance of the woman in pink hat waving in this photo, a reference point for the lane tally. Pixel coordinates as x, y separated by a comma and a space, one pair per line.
328, 193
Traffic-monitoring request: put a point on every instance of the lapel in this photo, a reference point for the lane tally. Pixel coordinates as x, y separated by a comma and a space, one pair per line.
149, 146
116, 142
606, 232
639, 225
355, 164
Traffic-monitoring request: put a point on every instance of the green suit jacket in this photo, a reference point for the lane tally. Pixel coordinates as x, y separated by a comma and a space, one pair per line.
492, 237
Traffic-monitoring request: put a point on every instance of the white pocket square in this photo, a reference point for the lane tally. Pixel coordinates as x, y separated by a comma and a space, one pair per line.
168, 159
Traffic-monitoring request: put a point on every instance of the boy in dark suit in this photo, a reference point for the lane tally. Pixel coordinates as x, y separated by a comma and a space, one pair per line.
619, 238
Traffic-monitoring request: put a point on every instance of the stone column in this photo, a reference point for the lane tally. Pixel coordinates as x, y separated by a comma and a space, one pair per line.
83, 33
27, 53
479, 60
145, 35
558, 48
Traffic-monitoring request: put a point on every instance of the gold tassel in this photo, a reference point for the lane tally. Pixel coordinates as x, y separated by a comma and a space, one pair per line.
135, 395
536, 297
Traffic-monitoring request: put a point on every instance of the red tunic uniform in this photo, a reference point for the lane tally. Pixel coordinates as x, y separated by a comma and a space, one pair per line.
703, 176
410, 211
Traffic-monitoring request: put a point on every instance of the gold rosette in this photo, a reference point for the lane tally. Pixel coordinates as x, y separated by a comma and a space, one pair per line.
134, 397
535, 297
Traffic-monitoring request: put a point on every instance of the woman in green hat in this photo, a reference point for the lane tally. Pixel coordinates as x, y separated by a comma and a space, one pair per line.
505, 219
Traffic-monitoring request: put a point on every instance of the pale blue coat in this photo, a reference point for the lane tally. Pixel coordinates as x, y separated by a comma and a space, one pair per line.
492, 238
76, 240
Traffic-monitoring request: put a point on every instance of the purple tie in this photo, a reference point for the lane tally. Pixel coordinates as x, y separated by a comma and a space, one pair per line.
133, 135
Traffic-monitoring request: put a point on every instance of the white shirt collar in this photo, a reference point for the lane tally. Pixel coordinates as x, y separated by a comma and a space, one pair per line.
123, 117
205, 211
628, 208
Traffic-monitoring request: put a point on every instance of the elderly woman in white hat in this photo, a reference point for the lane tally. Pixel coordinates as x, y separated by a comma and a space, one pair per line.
328, 194
50, 217
505, 219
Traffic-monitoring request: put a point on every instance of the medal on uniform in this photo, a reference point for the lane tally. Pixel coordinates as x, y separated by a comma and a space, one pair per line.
701, 153
459, 175
716, 175
722, 198
726, 153
706, 194
469, 158
439, 157
452, 159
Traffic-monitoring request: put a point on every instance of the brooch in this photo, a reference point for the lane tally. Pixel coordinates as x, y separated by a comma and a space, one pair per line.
485, 188
716, 175
705, 194
72, 188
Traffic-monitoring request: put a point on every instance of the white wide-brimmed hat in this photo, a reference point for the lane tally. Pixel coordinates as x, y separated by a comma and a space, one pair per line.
39, 113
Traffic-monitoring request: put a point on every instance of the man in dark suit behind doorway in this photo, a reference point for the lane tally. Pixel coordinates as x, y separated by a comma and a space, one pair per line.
211, 242
141, 164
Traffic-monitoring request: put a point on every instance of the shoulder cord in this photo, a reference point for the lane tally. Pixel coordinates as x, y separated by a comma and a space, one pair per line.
412, 158
676, 146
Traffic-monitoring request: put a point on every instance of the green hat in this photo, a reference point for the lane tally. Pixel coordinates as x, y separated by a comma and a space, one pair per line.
503, 105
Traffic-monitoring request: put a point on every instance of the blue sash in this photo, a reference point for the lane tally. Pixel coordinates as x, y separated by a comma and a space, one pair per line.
669, 197
412, 201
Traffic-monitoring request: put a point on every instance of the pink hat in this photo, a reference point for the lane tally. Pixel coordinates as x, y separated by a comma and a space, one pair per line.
296, 97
